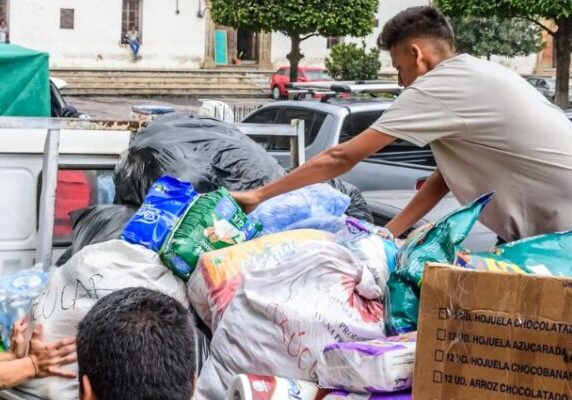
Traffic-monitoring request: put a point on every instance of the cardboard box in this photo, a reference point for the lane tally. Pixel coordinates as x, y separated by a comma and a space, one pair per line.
488, 335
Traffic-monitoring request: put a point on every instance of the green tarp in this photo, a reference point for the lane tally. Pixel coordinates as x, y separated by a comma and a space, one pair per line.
24, 82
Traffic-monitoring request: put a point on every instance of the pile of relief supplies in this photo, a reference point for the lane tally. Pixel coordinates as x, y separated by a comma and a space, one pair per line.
303, 298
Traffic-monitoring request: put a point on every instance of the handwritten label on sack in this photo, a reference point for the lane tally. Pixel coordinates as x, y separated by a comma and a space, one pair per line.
66, 297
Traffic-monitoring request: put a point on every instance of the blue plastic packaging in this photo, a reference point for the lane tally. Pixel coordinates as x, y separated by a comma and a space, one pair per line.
165, 203
317, 202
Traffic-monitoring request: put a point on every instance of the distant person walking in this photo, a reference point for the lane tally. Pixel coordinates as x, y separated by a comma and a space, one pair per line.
4, 32
132, 37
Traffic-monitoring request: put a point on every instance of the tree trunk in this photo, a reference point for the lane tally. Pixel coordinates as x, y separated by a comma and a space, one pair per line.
294, 57
563, 45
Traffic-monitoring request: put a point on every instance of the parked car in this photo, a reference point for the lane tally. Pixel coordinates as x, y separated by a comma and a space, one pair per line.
59, 107
398, 166
385, 205
547, 86
281, 78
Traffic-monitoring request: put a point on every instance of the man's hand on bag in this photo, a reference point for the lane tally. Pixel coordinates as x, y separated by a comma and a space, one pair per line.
49, 357
247, 200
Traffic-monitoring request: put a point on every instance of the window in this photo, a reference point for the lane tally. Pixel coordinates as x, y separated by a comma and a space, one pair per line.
313, 121
78, 189
317, 75
265, 116
4, 10
132, 14
66, 18
356, 123
334, 40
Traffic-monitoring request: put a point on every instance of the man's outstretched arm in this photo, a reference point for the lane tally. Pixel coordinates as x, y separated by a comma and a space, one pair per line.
326, 165
433, 191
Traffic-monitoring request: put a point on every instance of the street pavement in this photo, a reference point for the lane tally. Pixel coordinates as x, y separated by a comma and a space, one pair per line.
119, 108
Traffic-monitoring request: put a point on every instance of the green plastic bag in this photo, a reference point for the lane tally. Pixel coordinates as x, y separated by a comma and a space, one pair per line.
214, 221
549, 255
437, 242
25, 80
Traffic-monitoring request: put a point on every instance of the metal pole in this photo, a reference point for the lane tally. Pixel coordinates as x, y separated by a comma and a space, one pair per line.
301, 145
48, 197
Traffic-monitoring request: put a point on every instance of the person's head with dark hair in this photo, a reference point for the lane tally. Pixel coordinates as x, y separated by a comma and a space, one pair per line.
136, 343
418, 39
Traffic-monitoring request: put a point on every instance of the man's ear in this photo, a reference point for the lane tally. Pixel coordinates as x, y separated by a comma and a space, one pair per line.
87, 392
417, 52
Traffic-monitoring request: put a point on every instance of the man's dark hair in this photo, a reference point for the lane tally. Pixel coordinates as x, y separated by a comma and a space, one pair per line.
137, 343
416, 22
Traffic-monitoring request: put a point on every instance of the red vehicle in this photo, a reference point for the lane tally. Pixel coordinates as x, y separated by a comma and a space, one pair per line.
281, 78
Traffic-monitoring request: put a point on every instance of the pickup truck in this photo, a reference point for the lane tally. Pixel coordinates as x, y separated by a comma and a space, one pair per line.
327, 123
83, 159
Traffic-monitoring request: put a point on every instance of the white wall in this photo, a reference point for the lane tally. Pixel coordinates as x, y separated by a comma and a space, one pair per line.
522, 65
169, 40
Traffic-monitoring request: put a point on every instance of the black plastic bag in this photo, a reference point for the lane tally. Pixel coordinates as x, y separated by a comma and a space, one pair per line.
206, 152
358, 207
96, 224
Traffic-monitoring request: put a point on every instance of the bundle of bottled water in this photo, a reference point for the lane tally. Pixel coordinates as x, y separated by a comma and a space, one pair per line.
17, 292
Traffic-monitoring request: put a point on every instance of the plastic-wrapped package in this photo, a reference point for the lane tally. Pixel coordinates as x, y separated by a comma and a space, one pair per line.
315, 201
255, 387
75, 287
95, 225
17, 293
436, 242
358, 207
378, 253
214, 221
164, 205
375, 366
219, 274
281, 318
548, 255
206, 152
344, 395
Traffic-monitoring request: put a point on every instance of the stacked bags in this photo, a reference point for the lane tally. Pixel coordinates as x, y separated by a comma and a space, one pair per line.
281, 318
437, 242
219, 274
181, 225
375, 366
540, 255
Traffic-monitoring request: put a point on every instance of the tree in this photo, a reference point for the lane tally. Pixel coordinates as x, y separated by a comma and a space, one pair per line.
349, 62
299, 20
485, 37
536, 11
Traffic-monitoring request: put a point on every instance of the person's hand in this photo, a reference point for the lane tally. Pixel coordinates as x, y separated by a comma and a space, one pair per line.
49, 357
247, 200
17, 340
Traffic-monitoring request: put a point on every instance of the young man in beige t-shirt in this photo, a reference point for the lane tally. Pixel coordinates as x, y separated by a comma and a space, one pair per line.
489, 129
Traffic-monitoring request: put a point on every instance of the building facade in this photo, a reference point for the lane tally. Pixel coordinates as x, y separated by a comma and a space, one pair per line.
175, 34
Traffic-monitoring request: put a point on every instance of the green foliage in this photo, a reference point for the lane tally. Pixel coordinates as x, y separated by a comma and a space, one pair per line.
350, 62
507, 8
484, 37
298, 17
559, 11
